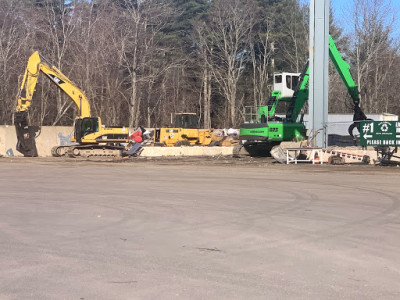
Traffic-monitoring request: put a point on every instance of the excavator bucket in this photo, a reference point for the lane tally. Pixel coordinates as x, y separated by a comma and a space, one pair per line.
26, 135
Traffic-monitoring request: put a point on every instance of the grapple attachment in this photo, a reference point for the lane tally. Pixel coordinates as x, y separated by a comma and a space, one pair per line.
26, 135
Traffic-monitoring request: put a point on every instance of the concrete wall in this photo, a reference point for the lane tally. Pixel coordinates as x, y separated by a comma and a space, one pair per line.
186, 151
49, 137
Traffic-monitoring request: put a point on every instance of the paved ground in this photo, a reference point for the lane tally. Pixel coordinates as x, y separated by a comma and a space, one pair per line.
191, 230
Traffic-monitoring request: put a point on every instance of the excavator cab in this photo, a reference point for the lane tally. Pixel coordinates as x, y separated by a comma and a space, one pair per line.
187, 121
85, 126
286, 83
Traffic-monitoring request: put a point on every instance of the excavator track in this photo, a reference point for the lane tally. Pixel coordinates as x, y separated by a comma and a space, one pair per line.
256, 149
94, 150
59, 151
87, 151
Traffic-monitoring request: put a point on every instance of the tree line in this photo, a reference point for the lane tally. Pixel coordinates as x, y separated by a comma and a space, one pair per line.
139, 61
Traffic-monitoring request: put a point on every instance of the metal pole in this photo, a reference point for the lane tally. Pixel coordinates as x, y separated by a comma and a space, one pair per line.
319, 67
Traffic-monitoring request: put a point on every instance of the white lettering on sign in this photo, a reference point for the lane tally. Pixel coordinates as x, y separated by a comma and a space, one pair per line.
368, 127
380, 133
374, 142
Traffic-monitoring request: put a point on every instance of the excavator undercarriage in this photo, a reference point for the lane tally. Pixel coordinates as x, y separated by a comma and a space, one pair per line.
88, 151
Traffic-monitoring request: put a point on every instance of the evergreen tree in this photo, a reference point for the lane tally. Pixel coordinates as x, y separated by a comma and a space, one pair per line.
179, 31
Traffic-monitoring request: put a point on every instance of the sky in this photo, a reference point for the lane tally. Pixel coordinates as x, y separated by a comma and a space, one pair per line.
343, 13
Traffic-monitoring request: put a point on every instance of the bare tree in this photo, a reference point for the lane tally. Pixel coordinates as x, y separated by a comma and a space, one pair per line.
96, 65
140, 23
261, 49
205, 76
54, 29
294, 32
375, 51
13, 37
206, 83
225, 37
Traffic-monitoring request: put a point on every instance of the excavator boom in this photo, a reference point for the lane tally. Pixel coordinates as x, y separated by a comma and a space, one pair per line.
343, 69
37, 64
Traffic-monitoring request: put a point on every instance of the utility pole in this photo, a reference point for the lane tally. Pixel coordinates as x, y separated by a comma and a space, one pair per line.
319, 67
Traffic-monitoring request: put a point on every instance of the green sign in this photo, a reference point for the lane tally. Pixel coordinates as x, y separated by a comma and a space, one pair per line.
380, 133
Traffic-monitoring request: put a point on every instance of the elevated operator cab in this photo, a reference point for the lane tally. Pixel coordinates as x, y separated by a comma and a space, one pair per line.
286, 83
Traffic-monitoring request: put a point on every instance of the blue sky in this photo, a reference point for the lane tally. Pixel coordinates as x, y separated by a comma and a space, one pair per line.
343, 12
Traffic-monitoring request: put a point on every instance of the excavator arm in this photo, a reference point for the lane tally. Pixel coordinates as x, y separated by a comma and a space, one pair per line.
343, 69
300, 96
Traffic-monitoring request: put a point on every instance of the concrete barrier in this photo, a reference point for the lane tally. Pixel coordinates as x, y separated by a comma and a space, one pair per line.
49, 136
186, 151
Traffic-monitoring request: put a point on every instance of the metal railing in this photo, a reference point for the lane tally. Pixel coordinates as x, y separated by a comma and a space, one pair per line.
250, 114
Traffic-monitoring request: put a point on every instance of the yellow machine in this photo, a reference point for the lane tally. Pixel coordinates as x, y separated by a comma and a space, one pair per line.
185, 133
93, 139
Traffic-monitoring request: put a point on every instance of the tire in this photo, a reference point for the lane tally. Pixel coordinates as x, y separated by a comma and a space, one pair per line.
215, 144
336, 160
366, 159
181, 143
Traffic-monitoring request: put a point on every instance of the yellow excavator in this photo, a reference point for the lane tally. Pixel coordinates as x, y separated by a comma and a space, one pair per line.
185, 132
90, 135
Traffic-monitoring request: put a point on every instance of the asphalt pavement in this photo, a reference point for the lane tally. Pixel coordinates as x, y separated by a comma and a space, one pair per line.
152, 231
